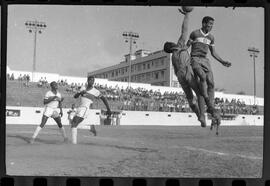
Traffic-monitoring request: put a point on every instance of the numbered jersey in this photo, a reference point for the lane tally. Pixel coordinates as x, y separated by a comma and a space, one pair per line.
52, 104
87, 99
200, 43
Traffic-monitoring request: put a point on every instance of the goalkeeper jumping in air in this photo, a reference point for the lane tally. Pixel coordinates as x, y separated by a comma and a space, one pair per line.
186, 77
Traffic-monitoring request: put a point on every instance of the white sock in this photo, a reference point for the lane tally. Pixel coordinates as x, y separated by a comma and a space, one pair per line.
74, 135
63, 132
36, 132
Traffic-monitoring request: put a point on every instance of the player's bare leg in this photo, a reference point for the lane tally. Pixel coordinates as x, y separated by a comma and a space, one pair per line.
75, 122
211, 94
61, 128
201, 104
38, 129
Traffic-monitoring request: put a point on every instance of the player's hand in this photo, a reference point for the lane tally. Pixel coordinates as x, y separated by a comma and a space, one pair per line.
61, 113
58, 99
55, 98
181, 11
83, 92
227, 63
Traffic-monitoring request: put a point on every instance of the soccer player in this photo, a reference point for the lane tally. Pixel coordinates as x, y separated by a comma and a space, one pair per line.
53, 108
200, 41
183, 70
86, 95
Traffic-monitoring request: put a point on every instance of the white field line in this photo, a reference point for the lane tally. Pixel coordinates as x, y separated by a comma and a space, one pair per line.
222, 153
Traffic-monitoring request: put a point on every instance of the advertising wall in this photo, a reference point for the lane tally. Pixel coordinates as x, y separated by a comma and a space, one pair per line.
32, 115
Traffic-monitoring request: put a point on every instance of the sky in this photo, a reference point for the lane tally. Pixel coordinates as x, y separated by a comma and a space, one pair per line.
80, 39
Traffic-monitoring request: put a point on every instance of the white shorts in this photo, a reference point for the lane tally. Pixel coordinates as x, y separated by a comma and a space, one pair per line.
51, 112
82, 112
71, 115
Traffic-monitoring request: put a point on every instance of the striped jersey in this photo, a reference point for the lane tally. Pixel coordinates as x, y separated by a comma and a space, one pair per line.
200, 43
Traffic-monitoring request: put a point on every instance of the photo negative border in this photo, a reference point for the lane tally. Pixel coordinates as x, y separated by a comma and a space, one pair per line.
6, 180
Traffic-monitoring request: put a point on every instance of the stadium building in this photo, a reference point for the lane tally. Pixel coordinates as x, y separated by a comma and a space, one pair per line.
146, 67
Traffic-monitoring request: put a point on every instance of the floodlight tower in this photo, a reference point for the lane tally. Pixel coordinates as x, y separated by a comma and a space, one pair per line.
253, 53
35, 27
130, 37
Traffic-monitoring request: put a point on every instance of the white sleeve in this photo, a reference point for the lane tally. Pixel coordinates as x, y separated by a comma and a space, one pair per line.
59, 95
82, 88
47, 95
96, 93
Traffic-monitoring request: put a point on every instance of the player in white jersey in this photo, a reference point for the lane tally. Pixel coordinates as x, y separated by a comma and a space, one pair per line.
86, 94
53, 108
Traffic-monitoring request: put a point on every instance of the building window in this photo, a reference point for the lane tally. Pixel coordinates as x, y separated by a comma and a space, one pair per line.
139, 78
139, 67
148, 76
157, 63
112, 74
144, 66
156, 75
148, 65
162, 74
162, 62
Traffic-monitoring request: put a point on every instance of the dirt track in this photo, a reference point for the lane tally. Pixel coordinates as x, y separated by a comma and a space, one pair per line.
152, 151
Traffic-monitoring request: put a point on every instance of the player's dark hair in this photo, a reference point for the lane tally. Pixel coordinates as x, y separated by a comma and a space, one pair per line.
168, 47
53, 82
206, 19
90, 77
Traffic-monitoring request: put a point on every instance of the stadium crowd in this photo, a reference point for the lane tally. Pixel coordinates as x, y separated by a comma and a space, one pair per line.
141, 99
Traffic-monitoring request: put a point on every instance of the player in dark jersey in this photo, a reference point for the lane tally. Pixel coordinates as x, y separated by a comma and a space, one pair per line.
200, 41
184, 72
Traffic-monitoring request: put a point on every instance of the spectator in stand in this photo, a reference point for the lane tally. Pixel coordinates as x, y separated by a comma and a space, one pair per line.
12, 77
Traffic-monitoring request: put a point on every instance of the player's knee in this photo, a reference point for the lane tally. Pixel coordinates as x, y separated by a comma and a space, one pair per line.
42, 125
74, 125
75, 122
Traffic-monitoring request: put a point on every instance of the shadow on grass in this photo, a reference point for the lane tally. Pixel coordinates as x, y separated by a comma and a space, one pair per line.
140, 149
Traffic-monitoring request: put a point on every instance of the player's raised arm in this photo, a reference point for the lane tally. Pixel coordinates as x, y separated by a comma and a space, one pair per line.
184, 29
216, 56
190, 40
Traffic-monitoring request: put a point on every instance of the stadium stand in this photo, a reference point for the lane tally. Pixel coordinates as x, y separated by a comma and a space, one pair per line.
21, 92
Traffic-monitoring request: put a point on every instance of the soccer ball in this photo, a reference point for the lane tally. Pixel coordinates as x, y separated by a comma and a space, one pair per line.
55, 114
187, 8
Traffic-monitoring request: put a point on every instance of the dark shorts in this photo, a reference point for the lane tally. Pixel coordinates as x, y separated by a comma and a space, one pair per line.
201, 62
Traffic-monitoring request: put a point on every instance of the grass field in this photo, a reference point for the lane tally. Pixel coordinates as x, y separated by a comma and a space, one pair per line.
148, 151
